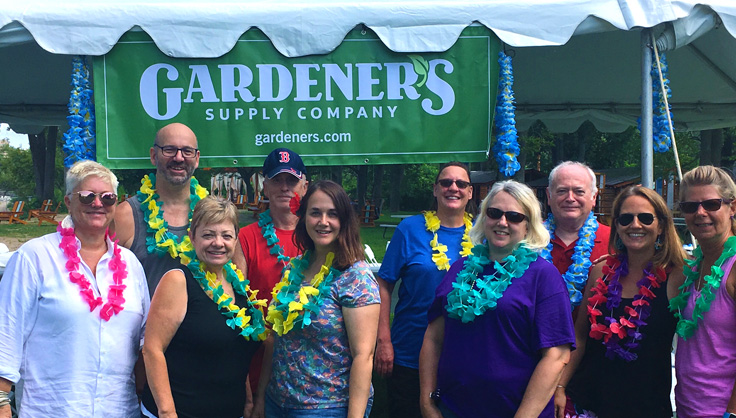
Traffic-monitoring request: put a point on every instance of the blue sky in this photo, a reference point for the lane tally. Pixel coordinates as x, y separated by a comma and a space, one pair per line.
16, 140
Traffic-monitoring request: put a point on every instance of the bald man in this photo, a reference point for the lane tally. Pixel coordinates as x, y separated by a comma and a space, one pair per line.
175, 155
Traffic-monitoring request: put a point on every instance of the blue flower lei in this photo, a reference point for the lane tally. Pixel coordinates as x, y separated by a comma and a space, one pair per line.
269, 234
577, 274
660, 126
79, 140
248, 321
471, 295
506, 148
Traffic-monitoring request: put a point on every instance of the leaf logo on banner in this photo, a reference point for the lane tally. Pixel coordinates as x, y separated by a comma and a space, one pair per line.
421, 67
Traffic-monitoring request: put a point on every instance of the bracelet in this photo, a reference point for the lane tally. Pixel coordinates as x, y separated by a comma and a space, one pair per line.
560, 386
4, 398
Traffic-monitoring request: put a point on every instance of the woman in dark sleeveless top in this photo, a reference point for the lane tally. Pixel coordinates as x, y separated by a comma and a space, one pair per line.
197, 352
622, 366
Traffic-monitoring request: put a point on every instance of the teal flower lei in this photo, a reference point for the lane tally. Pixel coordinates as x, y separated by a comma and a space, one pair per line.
290, 293
686, 327
660, 125
506, 147
269, 234
577, 274
471, 295
248, 321
79, 140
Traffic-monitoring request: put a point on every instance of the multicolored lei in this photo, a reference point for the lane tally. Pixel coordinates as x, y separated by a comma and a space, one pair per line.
159, 240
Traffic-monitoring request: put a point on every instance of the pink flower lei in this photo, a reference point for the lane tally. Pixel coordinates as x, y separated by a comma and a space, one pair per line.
115, 300
621, 335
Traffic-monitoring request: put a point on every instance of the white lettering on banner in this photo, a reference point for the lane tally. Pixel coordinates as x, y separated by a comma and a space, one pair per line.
276, 83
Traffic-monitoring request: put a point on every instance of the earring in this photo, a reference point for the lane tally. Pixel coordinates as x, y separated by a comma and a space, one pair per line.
620, 244
658, 243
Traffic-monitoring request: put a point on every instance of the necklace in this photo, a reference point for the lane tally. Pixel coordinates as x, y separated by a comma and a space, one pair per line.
472, 295
159, 240
439, 251
248, 321
115, 300
577, 274
686, 327
621, 336
294, 303
269, 234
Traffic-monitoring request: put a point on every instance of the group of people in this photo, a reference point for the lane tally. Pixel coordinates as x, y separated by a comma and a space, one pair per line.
163, 306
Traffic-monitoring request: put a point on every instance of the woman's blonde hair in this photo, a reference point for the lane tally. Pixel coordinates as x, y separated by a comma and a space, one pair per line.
537, 236
213, 210
87, 168
707, 175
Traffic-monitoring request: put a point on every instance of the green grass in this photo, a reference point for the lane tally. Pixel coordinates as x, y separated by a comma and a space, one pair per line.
29, 231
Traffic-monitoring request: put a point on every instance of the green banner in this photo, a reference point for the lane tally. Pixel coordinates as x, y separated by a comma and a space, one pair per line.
360, 104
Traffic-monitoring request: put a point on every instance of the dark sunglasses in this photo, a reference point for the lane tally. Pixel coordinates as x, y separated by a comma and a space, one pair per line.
86, 197
627, 218
711, 205
170, 151
447, 183
511, 216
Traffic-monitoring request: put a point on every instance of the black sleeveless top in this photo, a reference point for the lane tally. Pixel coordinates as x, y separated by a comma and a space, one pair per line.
154, 266
207, 361
640, 388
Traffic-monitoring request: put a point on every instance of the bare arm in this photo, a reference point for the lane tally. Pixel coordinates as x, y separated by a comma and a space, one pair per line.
124, 225
168, 308
542, 384
239, 261
5, 386
384, 349
259, 401
582, 328
429, 359
361, 325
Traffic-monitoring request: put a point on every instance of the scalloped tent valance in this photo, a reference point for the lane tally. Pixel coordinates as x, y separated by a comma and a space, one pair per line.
575, 60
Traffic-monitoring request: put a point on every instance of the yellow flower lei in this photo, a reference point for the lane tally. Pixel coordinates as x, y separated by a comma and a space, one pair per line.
159, 240
439, 251
298, 302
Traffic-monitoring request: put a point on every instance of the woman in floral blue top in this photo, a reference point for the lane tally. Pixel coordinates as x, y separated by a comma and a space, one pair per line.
325, 311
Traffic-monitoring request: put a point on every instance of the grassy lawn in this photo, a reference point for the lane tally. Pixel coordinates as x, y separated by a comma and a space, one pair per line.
26, 232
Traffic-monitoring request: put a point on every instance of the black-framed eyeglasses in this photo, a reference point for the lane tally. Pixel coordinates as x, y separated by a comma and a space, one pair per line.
511, 216
711, 205
86, 197
170, 151
447, 183
627, 218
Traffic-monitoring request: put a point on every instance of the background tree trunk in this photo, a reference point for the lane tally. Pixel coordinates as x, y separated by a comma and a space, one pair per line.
397, 175
43, 155
378, 188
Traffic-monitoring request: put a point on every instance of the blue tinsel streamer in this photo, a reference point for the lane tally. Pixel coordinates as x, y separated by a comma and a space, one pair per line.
506, 148
79, 140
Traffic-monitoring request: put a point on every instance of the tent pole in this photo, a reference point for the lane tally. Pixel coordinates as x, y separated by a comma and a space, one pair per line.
647, 147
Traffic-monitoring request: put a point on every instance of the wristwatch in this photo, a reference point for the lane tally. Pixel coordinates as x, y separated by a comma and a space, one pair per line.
729, 415
435, 396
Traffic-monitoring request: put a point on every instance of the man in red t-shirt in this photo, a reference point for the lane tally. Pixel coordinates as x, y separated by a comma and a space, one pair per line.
571, 195
260, 262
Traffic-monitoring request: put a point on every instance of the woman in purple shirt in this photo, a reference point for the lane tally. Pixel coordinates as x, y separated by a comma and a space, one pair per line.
500, 329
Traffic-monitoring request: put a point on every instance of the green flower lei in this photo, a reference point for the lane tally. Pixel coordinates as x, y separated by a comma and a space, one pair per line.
248, 321
159, 240
269, 234
686, 327
472, 295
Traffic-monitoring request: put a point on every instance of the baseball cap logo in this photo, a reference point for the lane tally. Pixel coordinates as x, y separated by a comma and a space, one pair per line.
283, 157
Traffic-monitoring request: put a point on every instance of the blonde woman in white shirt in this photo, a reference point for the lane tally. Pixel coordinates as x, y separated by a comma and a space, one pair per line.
72, 309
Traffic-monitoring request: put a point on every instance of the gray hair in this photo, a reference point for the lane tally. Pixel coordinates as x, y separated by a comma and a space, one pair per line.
553, 173
87, 168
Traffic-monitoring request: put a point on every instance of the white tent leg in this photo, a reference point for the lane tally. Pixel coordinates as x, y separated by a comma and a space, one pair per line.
647, 147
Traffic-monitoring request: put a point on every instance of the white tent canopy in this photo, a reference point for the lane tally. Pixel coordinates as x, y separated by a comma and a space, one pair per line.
575, 60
